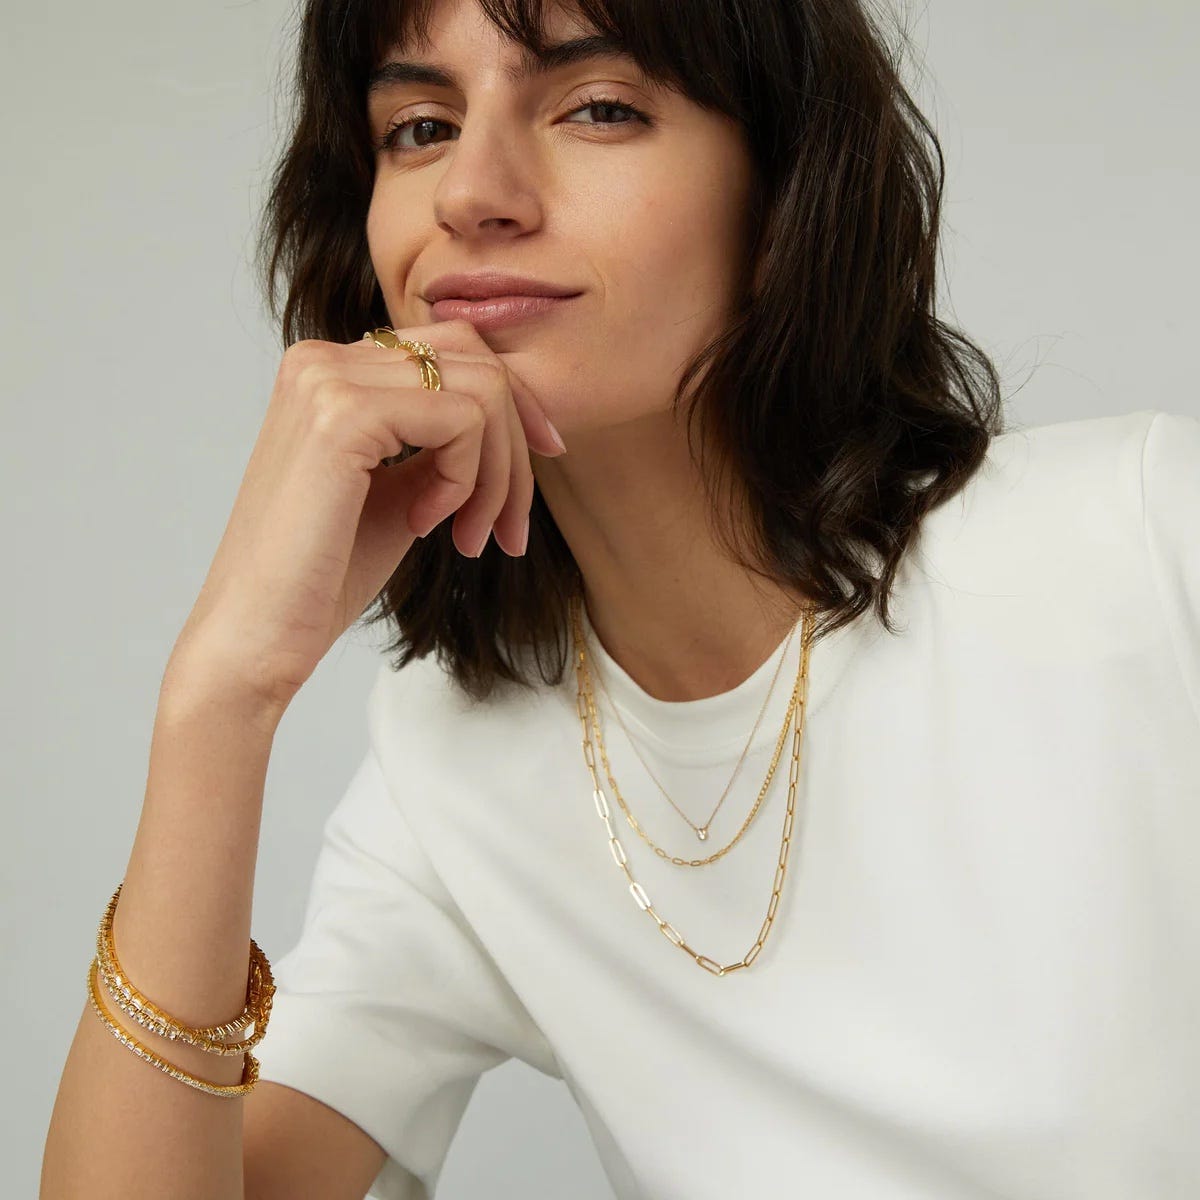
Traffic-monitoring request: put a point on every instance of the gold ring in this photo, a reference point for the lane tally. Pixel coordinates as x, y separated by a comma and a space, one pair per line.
386, 337
421, 352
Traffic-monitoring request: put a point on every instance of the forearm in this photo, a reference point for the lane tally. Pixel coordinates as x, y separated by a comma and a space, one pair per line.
120, 1126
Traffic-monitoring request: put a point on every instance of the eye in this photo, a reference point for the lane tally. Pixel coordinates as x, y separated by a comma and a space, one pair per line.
422, 124
391, 137
609, 103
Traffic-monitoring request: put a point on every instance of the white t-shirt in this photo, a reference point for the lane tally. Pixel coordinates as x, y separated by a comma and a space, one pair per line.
983, 978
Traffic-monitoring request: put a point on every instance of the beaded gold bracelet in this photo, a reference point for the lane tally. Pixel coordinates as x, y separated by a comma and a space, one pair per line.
257, 1012
249, 1071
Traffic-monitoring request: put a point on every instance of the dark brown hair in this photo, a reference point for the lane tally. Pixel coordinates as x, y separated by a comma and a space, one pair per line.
835, 408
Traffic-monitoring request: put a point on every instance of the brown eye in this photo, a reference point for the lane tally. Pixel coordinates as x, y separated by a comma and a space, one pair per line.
608, 105
422, 127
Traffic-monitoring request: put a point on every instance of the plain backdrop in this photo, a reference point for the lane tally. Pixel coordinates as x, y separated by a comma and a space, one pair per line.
137, 362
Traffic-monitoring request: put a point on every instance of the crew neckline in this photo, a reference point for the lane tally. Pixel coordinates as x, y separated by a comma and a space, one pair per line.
711, 728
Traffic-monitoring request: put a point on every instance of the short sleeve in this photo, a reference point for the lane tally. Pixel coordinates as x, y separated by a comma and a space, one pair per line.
1171, 512
388, 1009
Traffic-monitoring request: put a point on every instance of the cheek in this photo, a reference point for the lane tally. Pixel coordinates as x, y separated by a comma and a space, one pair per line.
375, 227
670, 257
379, 248
386, 243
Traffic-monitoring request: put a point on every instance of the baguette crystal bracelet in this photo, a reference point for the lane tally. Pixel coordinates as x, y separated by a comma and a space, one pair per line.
259, 993
214, 1039
249, 1071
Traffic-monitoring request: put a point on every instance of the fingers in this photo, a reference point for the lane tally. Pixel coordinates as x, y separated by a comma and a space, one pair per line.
510, 525
505, 473
504, 486
462, 337
474, 519
378, 420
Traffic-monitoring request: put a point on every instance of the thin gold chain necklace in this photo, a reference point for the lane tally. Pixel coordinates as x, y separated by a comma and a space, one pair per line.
599, 736
701, 831
798, 705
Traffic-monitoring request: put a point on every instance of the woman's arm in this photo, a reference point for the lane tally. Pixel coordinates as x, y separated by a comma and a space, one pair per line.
120, 1126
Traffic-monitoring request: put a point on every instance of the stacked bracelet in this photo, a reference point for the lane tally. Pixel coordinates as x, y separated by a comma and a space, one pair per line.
249, 1072
215, 1039
259, 993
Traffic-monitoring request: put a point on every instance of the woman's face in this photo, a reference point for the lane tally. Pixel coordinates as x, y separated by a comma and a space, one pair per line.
647, 222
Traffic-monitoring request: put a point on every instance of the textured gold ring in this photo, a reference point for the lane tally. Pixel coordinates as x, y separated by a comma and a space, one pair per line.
424, 355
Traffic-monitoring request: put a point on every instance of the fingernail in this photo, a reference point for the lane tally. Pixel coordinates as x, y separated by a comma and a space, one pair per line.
555, 435
525, 535
483, 543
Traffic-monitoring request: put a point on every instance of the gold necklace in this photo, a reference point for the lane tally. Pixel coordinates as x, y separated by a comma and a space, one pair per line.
679, 862
798, 705
701, 831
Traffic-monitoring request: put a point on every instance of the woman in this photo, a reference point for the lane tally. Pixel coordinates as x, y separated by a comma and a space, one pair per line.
953, 953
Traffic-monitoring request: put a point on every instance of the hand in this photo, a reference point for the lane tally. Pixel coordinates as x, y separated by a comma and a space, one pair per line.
319, 526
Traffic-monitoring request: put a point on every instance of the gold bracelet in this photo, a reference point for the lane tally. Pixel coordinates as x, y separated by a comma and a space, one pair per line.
215, 1039
249, 1070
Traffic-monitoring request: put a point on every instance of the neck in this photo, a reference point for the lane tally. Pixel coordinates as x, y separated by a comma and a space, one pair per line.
681, 659
682, 619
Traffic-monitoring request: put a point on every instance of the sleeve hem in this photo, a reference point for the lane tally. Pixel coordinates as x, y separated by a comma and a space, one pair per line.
299, 1052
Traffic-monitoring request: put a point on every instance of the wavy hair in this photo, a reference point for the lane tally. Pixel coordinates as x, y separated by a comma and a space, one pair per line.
834, 408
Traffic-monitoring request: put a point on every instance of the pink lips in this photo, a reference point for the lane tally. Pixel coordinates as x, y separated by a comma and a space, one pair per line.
496, 311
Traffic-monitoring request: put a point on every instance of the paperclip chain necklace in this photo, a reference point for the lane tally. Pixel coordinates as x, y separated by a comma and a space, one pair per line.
702, 830
586, 711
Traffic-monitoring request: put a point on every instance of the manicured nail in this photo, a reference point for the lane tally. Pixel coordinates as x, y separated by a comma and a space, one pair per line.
555, 435
483, 543
525, 535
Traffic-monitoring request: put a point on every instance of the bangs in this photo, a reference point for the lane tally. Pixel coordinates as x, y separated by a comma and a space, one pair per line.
689, 48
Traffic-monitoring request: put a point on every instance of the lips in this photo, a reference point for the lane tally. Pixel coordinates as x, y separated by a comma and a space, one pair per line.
495, 312
490, 284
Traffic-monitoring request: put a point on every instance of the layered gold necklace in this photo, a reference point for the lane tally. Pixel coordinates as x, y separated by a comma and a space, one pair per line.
589, 722
701, 831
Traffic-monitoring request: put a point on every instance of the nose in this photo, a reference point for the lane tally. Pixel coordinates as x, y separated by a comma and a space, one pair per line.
489, 183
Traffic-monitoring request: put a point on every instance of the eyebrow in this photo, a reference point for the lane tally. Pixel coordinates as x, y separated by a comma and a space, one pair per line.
562, 54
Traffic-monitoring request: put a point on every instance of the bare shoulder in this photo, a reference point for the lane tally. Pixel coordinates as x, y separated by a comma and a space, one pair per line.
293, 1145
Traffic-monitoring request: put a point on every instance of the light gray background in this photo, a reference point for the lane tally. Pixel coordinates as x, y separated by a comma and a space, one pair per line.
137, 365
